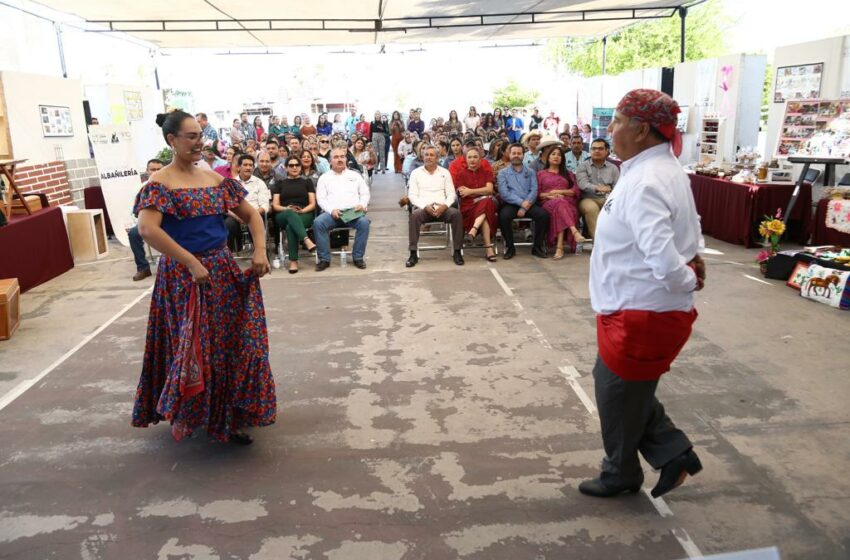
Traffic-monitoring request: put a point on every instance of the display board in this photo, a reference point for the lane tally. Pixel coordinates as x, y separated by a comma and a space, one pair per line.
797, 82
818, 128
601, 118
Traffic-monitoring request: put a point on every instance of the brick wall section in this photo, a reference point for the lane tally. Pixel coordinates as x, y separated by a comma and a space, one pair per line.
50, 179
82, 173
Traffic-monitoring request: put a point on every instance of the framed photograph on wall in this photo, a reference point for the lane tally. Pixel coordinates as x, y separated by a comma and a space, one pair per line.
55, 120
797, 82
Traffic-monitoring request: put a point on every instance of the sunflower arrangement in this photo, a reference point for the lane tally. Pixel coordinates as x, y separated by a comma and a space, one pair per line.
771, 229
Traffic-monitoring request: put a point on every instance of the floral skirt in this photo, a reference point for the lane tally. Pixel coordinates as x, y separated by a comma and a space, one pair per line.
239, 388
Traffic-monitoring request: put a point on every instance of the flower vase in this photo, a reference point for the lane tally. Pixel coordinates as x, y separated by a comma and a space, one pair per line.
763, 268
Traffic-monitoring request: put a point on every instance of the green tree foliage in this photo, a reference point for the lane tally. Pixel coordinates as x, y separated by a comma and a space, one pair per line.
649, 44
767, 94
514, 95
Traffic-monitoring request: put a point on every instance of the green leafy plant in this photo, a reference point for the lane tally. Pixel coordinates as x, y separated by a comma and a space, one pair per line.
646, 45
165, 155
514, 95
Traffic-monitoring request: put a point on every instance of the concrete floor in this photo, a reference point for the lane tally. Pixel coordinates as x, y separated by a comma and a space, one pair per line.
433, 412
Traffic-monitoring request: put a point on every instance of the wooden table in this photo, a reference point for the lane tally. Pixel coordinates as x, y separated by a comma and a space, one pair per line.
7, 168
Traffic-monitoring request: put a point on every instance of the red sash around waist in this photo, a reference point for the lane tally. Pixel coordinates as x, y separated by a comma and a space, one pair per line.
641, 345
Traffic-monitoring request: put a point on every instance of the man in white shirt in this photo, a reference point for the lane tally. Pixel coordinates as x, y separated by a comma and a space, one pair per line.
259, 196
344, 197
644, 270
432, 194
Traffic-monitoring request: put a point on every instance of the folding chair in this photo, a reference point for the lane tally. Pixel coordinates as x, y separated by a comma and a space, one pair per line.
528, 227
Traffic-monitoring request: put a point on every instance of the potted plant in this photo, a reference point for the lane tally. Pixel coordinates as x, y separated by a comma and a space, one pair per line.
771, 229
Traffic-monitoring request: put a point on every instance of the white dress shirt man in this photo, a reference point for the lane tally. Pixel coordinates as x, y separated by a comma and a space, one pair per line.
344, 197
432, 194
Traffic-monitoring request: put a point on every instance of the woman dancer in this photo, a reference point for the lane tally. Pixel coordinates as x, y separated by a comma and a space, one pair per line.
206, 361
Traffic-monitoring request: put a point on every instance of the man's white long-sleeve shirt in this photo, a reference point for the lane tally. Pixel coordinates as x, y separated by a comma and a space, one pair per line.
259, 194
341, 191
648, 230
425, 188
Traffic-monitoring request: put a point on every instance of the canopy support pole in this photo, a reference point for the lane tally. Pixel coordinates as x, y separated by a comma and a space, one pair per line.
683, 13
604, 52
58, 28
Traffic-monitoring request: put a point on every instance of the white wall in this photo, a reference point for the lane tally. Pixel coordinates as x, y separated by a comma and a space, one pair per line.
697, 85
24, 93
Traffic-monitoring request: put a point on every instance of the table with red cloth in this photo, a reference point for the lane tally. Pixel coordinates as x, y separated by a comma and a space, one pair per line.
731, 211
823, 235
93, 197
35, 248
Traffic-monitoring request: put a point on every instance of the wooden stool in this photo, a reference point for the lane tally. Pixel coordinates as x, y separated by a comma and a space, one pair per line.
10, 308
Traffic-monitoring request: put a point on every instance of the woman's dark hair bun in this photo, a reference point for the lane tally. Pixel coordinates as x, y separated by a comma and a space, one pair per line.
170, 122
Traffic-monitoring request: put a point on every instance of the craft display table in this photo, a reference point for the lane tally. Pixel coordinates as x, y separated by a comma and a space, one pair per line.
823, 235
731, 211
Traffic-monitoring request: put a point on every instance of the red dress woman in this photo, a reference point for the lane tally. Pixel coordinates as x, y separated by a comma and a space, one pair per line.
558, 194
474, 185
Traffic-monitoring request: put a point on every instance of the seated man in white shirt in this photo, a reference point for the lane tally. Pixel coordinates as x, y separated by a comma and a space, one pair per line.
344, 197
432, 194
259, 196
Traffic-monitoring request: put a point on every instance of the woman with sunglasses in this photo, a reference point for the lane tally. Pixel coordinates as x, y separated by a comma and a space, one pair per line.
294, 203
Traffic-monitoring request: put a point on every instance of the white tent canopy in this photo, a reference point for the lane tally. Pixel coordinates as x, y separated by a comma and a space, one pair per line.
242, 24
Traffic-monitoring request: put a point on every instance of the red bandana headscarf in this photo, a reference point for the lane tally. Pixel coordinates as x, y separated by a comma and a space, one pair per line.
658, 110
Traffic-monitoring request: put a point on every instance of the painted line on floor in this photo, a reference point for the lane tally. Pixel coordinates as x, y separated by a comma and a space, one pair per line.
756, 279
572, 375
506, 289
24, 386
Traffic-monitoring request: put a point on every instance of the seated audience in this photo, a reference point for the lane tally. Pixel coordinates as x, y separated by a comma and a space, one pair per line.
309, 169
344, 197
474, 185
532, 157
455, 151
576, 155
432, 195
294, 203
557, 193
596, 178
258, 196
518, 191
137, 244
230, 169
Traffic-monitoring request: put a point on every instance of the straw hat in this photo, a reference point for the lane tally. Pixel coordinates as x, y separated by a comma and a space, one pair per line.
547, 141
527, 136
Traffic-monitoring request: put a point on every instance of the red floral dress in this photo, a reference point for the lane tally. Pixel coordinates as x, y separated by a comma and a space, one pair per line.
239, 389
